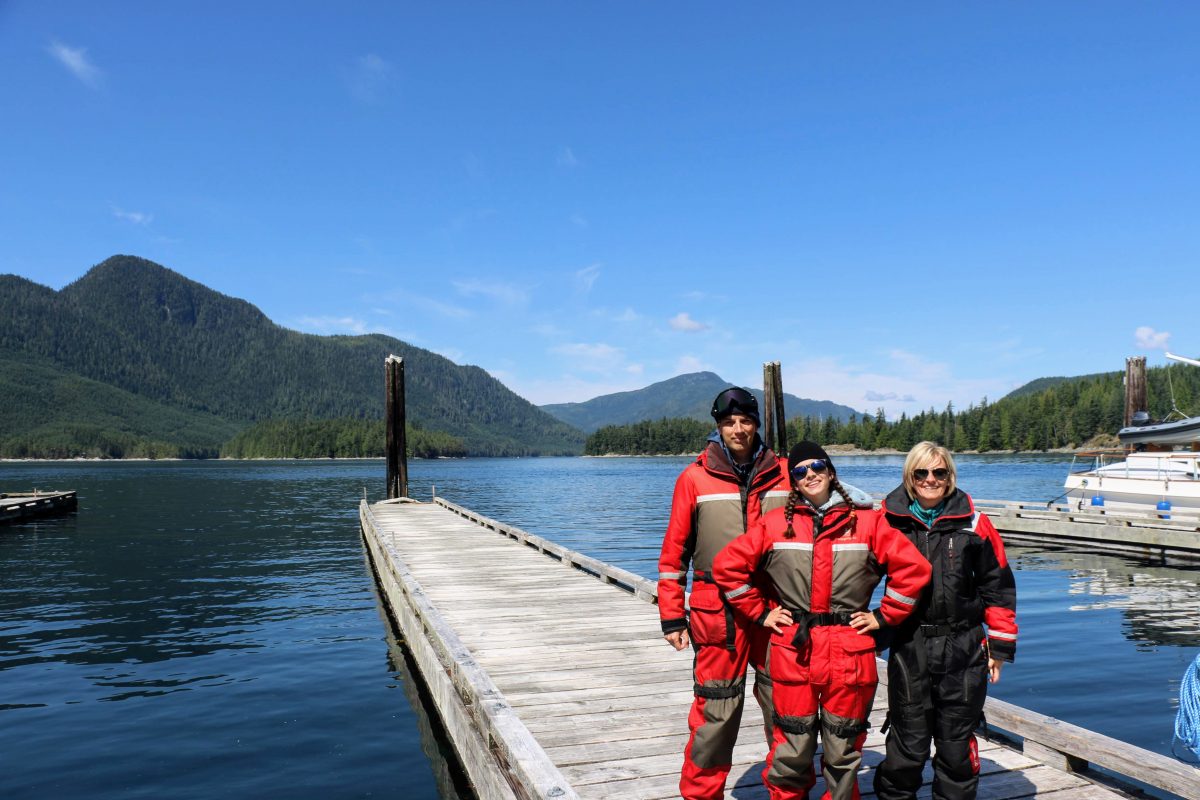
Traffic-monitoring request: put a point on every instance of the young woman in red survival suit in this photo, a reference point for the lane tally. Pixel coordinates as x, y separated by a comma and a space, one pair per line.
824, 554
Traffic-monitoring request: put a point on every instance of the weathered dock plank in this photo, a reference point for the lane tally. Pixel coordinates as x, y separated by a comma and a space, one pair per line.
549, 672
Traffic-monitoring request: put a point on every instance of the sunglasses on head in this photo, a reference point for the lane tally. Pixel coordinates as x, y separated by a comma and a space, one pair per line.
801, 470
732, 401
939, 474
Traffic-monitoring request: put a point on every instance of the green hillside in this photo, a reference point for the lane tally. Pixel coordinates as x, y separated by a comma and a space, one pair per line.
688, 396
145, 330
1065, 412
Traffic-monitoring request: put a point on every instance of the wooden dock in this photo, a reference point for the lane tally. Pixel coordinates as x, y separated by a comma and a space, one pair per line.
552, 680
17, 506
1142, 534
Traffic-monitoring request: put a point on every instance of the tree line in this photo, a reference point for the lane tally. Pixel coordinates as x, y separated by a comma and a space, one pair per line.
1068, 413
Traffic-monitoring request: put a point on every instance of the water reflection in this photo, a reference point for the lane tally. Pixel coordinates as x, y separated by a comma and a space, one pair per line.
1160, 604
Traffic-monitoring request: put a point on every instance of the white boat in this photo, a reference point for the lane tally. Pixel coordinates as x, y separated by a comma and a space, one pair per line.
1135, 482
1153, 478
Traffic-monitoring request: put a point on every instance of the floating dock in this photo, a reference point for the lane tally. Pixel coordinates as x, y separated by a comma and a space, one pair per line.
17, 506
552, 680
1172, 536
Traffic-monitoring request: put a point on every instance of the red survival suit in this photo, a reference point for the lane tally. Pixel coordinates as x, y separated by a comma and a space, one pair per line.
822, 574
937, 665
712, 505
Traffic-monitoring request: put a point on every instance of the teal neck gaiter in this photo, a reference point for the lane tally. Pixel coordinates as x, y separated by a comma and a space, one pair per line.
926, 515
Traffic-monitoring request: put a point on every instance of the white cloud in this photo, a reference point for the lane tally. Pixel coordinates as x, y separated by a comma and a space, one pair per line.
76, 61
566, 158
683, 322
688, 364
370, 78
876, 397
585, 278
628, 315
1150, 339
330, 325
597, 357
452, 353
635, 369
402, 297
504, 293
136, 217
578, 220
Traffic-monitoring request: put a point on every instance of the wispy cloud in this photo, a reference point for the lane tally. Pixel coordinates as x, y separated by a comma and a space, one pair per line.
879, 397
578, 220
136, 217
585, 278
598, 357
505, 293
76, 61
683, 322
331, 325
1149, 339
689, 364
628, 315
566, 157
428, 304
371, 78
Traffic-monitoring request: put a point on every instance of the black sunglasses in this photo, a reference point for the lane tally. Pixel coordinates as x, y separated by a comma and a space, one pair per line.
940, 474
801, 470
734, 400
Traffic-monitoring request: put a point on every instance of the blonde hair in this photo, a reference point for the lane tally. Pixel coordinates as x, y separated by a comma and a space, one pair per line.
922, 455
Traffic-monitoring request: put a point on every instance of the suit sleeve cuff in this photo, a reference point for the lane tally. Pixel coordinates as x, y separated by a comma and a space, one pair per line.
1002, 650
878, 615
672, 625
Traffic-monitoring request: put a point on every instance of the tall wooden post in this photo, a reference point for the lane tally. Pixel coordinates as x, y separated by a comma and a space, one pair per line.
774, 420
768, 409
397, 445
1135, 387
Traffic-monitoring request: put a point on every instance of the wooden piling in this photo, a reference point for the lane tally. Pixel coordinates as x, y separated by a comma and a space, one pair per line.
1135, 387
774, 420
397, 445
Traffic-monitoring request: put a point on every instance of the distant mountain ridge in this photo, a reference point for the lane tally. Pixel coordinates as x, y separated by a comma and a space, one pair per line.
688, 396
208, 365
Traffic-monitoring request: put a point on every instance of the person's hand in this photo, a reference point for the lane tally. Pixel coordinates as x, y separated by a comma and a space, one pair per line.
864, 622
994, 666
777, 618
678, 639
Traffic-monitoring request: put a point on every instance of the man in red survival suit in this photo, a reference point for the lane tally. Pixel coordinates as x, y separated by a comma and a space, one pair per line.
733, 482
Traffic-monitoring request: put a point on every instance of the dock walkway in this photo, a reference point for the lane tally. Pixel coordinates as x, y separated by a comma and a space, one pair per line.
552, 679
17, 506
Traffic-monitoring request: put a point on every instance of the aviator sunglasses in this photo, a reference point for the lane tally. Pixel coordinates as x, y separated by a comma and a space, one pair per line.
939, 474
817, 467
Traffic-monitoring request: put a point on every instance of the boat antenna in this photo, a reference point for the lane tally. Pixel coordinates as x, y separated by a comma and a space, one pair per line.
1171, 384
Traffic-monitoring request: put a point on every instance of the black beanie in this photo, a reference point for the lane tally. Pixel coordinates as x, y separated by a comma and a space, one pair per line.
803, 451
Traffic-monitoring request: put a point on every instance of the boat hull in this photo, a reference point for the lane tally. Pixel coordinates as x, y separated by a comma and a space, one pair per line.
1184, 431
1138, 483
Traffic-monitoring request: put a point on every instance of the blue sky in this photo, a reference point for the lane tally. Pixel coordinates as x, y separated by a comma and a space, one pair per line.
905, 204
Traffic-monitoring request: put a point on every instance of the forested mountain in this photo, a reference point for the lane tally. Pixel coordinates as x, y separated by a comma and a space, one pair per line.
688, 395
144, 330
1069, 412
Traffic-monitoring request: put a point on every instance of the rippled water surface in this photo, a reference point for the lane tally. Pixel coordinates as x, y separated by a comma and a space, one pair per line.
210, 629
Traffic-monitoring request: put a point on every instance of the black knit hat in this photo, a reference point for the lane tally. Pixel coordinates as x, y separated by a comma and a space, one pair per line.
803, 451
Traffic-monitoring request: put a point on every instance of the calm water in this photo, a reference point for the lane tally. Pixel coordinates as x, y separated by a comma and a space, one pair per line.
210, 629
